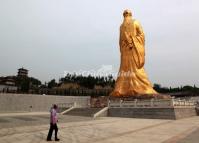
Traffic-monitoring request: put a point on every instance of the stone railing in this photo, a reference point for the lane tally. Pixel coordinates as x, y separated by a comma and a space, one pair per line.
102, 112
66, 105
183, 103
151, 103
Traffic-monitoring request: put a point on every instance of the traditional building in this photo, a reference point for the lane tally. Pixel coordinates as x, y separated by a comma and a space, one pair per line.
22, 72
7, 84
9, 80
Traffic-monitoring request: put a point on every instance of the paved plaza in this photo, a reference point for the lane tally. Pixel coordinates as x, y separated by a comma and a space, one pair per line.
33, 128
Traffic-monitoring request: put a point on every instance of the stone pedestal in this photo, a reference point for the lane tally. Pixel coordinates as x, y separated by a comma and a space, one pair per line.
154, 108
173, 113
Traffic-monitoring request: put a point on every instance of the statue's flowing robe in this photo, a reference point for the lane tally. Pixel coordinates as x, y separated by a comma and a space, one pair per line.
132, 79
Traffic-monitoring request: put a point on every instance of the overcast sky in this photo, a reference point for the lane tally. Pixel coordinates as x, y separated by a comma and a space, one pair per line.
49, 37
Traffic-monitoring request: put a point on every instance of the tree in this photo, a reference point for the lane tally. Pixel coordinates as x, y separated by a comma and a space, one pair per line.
35, 81
88, 81
52, 83
157, 86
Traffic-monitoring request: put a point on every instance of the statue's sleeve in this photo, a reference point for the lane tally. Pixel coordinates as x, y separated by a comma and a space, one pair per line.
139, 41
139, 33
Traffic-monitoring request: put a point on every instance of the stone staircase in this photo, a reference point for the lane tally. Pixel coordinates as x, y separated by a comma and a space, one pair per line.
61, 109
89, 112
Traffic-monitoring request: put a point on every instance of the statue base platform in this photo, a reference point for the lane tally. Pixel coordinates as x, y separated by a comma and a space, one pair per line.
160, 107
170, 113
140, 96
102, 101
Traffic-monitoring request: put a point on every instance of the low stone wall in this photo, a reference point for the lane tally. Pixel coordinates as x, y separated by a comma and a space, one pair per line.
185, 112
28, 102
153, 113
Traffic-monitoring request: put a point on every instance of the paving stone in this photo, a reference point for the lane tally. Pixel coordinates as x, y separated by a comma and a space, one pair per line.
74, 129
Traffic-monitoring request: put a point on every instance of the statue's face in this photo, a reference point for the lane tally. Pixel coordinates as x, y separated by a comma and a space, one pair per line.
127, 13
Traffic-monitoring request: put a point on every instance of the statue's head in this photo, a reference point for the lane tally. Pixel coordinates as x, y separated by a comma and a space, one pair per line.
127, 13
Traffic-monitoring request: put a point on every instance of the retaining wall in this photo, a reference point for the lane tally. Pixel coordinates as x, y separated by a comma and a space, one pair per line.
30, 102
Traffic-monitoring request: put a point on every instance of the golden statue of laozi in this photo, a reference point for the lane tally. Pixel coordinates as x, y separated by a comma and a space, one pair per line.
132, 79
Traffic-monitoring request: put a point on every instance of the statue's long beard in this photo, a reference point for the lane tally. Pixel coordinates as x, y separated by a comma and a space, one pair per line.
127, 20
129, 28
